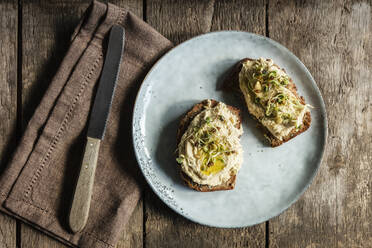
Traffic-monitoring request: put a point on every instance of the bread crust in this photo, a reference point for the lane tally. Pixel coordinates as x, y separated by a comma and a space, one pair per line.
231, 83
184, 124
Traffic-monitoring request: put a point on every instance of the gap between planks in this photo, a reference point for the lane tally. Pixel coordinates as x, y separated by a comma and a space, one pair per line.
267, 34
19, 100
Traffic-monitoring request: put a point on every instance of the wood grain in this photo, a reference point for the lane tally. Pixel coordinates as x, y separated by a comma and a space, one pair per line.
178, 21
135, 6
46, 30
334, 40
132, 235
32, 238
8, 103
7, 231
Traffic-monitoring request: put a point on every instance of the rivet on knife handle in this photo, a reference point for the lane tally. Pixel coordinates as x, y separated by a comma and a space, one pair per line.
83, 192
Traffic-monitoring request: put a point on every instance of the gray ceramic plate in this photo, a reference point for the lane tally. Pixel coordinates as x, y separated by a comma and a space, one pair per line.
271, 179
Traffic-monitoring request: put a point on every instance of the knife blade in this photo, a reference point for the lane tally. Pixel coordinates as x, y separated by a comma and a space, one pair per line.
79, 211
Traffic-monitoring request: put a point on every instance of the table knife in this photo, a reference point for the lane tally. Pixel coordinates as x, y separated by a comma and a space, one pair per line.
96, 129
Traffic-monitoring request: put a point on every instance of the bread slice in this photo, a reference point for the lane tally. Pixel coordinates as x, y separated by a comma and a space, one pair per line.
231, 83
184, 124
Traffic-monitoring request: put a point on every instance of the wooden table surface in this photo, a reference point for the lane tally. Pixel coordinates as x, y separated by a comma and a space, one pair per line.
332, 38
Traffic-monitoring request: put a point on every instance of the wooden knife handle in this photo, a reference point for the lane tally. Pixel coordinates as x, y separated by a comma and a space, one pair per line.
83, 192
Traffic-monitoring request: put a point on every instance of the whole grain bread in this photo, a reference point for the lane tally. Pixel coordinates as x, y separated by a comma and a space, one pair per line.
184, 124
231, 83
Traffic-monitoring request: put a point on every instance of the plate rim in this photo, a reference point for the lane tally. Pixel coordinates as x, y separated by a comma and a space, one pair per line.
322, 108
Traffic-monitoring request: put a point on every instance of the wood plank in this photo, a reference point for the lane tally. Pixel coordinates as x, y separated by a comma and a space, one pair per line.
334, 40
178, 21
30, 237
132, 235
7, 231
135, 6
46, 30
8, 103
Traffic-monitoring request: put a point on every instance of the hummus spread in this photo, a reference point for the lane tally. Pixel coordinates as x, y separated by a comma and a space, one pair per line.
264, 87
210, 150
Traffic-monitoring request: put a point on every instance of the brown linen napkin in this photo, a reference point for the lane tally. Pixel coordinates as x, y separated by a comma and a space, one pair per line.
37, 185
